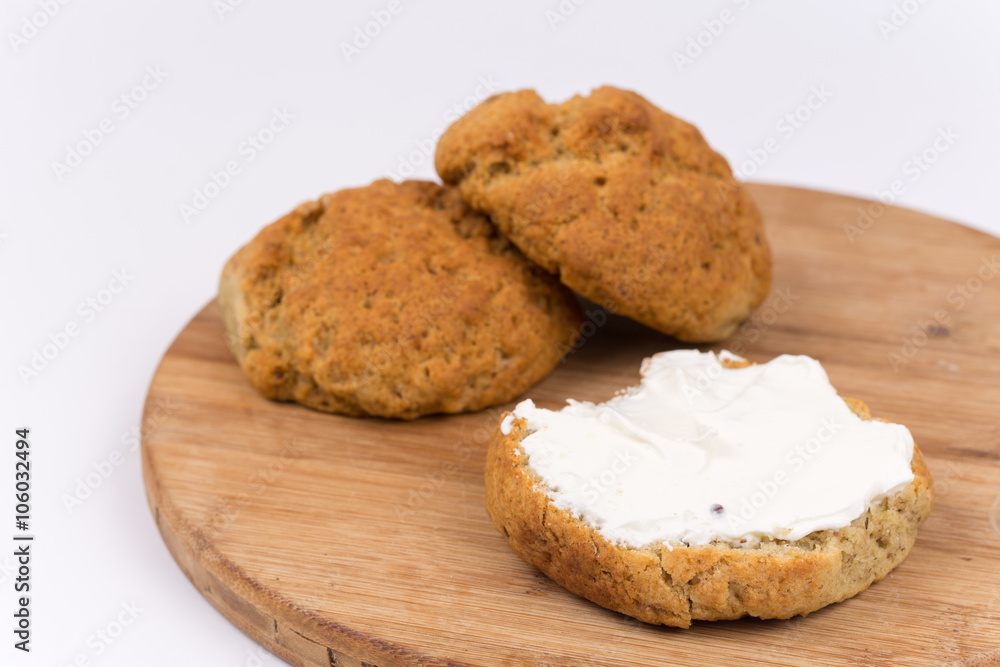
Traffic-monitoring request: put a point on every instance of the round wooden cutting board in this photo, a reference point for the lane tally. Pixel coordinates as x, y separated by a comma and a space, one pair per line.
344, 541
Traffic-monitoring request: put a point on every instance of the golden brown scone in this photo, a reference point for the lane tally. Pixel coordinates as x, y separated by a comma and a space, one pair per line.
626, 203
394, 300
775, 579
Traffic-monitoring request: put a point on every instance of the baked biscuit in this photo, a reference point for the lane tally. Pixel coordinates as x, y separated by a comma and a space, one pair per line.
394, 300
675, 585
626, 203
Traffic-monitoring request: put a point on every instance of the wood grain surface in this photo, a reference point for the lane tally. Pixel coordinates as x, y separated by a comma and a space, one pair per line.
344, 541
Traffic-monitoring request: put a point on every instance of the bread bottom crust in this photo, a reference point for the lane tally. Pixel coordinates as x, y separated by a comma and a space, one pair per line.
775, 579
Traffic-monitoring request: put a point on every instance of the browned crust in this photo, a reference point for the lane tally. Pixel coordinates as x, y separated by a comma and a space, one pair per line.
776, 579
395, 300
626, 203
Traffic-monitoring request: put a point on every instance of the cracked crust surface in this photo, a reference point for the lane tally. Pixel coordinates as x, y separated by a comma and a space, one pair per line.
395, 300
626, 203
775, 579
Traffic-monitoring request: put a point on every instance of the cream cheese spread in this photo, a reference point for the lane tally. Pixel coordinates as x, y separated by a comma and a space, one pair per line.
698, 452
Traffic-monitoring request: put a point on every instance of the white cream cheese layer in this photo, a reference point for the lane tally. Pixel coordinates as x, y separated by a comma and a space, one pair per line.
698, 452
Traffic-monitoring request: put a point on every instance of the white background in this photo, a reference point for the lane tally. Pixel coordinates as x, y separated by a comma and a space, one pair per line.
223, 76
